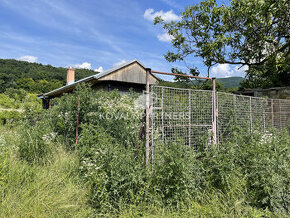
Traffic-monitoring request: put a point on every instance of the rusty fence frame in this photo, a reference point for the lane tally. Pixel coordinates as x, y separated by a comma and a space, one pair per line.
147, 122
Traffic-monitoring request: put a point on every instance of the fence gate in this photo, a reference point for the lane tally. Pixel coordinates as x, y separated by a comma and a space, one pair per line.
183, 115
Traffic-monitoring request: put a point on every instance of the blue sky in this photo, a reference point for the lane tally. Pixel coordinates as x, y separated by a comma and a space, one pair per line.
95, 34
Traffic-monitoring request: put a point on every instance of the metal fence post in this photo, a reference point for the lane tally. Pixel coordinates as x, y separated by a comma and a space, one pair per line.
280, 113
49, 106
214, 124
162, 113
272, 112
148, 71
235, 118
264, 115
77, 127
251, 118
189, 117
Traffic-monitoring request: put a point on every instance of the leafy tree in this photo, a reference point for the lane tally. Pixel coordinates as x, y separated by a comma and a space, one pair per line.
271, 74
207, 85
17, 94
245, 32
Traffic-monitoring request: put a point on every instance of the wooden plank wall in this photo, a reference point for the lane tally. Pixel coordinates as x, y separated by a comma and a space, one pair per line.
133, 73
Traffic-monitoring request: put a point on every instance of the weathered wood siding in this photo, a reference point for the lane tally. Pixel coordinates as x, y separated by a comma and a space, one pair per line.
133, 73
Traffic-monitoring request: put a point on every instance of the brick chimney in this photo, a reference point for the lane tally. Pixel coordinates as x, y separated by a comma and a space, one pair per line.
70, 77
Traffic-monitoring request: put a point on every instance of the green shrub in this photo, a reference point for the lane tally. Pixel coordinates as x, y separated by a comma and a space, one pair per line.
261, 160
10, 116
7, 102
37, 141
176, 174
116, 177
109, 110
16, 94
16, 105
264, 158
64, 113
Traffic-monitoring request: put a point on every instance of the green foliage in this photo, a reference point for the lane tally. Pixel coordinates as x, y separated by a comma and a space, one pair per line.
9, 110
49, 190
231, 179
40, 86
18, 104
17, 94
261, 161
7, 102
34, 77
37, 141
274, 73
116, 178
109, 110
207, 85
246, 33
10, 116
177, 174
178, 84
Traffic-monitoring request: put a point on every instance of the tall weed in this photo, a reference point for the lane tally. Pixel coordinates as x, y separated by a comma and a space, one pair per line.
53, 189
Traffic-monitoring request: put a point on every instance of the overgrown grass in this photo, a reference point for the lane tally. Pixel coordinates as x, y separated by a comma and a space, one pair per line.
52, 189
181, 183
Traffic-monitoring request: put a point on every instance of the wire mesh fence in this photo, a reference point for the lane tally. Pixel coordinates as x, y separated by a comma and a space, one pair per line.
186, 115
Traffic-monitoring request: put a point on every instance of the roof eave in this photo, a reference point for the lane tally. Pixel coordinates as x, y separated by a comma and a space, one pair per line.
45, 95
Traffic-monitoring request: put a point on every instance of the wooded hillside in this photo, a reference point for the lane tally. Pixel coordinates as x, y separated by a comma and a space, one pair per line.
231, 82
34, 77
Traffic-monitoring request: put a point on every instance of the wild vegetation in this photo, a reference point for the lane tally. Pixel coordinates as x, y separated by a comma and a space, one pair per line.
44, 173
34, 77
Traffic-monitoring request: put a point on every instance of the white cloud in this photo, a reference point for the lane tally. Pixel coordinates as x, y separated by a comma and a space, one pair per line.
225, 70
167, 16
100, 69
84, 65
164, 37
241, 70
28, 58
119, 63
221, 70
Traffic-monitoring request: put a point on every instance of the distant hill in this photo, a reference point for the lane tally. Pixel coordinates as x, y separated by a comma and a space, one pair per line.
34, 77
231, 82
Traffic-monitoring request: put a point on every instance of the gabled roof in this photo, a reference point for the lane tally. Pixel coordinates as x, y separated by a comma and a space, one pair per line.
91, 78
107, 72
